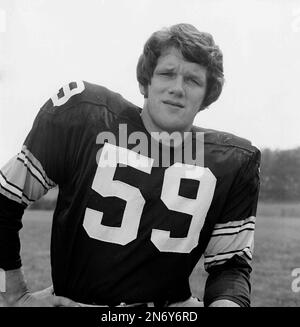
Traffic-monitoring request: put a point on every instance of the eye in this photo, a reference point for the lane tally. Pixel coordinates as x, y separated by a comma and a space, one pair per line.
194, 81
166, 73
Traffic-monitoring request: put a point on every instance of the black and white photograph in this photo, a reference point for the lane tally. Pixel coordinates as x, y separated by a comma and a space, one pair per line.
149, 155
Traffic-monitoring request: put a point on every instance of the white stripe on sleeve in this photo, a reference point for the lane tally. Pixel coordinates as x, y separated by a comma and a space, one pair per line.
229, 239
23, 178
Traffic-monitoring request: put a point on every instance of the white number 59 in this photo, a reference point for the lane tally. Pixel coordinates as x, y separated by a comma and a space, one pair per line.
105, 185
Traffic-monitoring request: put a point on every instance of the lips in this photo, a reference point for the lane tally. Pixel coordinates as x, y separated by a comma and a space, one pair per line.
174, 103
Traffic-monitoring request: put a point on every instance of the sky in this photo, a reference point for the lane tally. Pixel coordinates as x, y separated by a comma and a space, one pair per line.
46, 44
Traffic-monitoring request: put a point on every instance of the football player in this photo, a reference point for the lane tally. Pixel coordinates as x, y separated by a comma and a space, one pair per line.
129, 225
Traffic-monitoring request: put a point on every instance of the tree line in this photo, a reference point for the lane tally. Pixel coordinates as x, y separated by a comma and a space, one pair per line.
279, 176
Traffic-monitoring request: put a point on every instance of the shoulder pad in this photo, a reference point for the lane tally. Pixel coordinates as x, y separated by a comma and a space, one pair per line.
77, 92
226, 139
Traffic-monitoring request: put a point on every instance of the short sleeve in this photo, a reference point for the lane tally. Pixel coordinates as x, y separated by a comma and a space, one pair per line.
46, 157
233, 234
45, 160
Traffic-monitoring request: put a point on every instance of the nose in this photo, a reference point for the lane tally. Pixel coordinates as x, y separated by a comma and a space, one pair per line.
177, 88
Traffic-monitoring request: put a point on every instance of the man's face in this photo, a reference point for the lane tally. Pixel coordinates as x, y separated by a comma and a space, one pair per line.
175, 94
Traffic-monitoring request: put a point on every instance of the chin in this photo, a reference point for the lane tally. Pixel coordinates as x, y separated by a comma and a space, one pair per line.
173, 127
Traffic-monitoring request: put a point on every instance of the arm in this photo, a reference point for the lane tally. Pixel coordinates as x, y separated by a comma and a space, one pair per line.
223, 303
229, 284
17, 294
24, 179
229, 252
13, 288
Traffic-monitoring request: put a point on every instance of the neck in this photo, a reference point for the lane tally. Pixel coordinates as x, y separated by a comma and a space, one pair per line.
166, 137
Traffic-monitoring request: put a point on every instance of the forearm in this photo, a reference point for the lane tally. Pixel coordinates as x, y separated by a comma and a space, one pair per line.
229, 284
13, 284
17, 294
11, 214
15, 287
224, 303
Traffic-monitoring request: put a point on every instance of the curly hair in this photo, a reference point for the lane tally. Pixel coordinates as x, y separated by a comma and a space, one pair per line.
195, 46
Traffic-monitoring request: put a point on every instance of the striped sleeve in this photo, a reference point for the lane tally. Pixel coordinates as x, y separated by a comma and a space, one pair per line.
46, 159
23, 179
228, 255
233, 234
229, 239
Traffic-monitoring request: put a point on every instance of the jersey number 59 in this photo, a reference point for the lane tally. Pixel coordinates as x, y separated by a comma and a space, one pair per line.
105, 185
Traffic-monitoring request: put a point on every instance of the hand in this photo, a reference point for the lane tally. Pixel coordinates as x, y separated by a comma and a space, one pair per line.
44, 298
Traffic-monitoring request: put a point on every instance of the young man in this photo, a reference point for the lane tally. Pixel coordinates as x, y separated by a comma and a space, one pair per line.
135, 209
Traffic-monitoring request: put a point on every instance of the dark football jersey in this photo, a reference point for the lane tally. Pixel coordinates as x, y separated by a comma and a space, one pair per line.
130, 225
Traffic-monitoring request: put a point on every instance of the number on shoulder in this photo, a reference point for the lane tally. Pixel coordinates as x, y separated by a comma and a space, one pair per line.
66, 92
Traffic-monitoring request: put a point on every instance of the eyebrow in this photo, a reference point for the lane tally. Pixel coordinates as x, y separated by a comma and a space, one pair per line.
167, 68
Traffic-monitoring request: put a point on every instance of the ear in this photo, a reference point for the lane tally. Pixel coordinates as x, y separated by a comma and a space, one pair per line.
143, 90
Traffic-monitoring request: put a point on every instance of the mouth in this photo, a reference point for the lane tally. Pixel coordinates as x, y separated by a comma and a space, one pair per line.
174, 104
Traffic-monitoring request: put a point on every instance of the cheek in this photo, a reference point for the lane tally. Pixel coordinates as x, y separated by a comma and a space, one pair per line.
196, 100
155, 94
157, 86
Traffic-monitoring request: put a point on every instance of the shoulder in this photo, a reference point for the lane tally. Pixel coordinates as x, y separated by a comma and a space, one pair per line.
80, 92
78, 102
229, 145
227, 140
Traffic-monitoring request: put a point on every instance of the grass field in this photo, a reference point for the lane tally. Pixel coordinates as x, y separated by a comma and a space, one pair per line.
276, 254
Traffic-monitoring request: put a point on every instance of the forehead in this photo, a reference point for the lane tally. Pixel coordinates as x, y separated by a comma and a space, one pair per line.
172, 58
